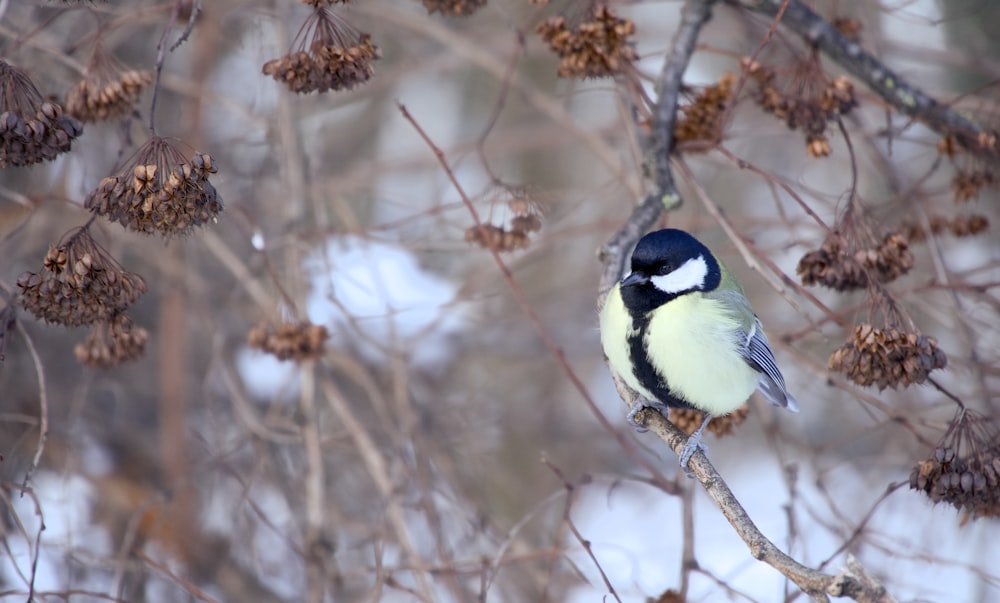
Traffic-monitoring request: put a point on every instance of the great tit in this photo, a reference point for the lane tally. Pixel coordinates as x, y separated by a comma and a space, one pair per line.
679, 330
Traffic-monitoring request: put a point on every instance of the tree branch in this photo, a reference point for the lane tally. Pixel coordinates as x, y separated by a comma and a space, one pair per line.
657, 148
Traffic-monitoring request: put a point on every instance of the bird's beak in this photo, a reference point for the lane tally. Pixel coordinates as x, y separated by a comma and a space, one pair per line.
634, 278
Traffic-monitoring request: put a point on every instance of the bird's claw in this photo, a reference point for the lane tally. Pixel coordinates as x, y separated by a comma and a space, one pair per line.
692, 445
640, 405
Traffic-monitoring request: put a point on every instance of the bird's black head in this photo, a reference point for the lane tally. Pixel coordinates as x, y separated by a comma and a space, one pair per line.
667, 264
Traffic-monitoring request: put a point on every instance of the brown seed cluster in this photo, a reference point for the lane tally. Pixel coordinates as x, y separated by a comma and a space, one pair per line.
688, 420
32, 129
526, 220
966, 184
887, 357
289, 340
159, 191
103, 96
965, 468
959, 226
79, 284
596, 48
699, 119
335, 57
974, 162
837, 266
111, 342
807, 102
490, 236
453, 8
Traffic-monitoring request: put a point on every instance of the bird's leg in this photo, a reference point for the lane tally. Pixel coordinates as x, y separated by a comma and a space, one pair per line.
693, 444
642, 403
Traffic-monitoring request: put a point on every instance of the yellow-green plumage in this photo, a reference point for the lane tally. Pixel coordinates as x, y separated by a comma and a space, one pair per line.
693, 356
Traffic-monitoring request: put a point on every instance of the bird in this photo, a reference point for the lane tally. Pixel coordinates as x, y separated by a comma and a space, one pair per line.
680, 332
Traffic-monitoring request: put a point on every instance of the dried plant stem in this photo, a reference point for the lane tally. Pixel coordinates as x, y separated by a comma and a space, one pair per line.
43, 408
314, 483
568, 520
187, 585
379, 472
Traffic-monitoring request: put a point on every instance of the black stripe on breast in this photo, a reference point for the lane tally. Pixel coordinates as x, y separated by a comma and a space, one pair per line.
643, 369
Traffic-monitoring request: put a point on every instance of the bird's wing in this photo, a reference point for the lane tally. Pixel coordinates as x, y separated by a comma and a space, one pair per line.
757, 353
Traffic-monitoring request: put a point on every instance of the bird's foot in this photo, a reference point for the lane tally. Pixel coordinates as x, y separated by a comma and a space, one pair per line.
640, 405
692, 445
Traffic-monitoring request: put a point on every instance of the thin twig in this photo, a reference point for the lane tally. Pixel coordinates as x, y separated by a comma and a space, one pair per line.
43, 408
161, 55
568, 520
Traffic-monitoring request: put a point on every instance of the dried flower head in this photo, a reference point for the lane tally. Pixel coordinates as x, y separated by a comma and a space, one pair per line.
959, 226
454, 8
79, 283
699, 120
887, 357
111, 342
159, 190
965, 467
841, 265
329, 55
289, 340
491, 236
599, 47
32, 129
108, 90
688, 420
966, 184
804, 98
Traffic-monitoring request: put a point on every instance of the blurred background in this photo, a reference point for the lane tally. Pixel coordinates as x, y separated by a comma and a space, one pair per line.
433, 447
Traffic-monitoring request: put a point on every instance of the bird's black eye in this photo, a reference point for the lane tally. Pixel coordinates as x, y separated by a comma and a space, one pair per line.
665, 269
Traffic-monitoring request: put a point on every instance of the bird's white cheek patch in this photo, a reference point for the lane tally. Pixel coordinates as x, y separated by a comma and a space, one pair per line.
691, 275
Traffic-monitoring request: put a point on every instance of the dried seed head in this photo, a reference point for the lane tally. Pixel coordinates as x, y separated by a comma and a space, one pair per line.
964, 469
453, 8
79, 283
597, 48
967, 183
159, 191
111, 342
688, 420
490, 236
108, 90
700, 118
289, 341
838, 265
803, 97
31, 129
330, 56
887, 357
959, 226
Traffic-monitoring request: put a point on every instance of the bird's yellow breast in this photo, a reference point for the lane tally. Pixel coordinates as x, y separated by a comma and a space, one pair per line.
693, 342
